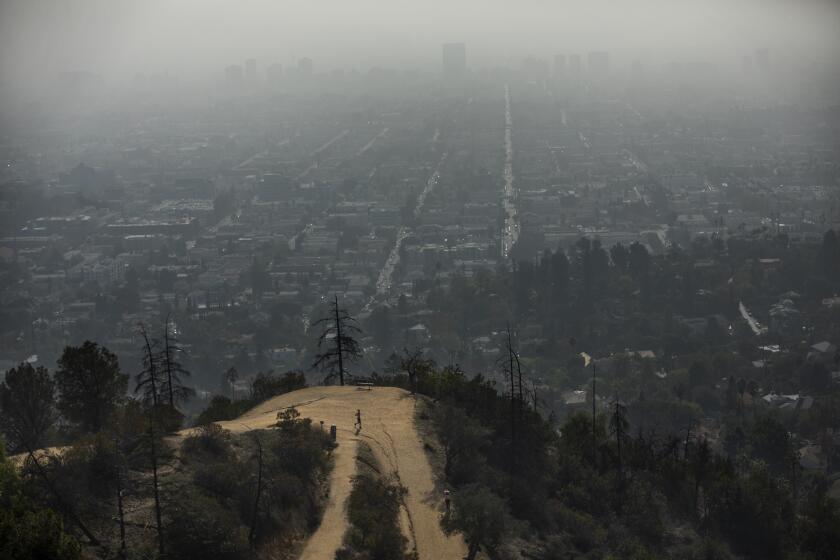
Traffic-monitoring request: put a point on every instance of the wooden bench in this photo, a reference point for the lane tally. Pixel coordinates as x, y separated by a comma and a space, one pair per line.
367, 384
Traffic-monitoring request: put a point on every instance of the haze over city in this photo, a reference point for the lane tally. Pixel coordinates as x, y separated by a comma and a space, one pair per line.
479, 280
192, 38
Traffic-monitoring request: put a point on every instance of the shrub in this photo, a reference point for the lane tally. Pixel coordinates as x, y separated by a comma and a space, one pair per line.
199, 527
481, 516
267, 385
373, 510
222, 408
27, 531
210, 439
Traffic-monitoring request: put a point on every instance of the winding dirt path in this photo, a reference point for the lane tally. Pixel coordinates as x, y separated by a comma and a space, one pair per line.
388, 427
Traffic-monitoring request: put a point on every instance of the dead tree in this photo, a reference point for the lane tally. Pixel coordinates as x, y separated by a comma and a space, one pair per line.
594, 414
619, 424
120, 511
66, 508
148, 381
687, 439
252, 534
512, 362
173, 370
412, 362
337, 343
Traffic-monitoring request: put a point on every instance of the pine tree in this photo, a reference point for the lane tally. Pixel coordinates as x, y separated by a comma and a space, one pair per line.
337, 344
150, 379
172, 369
618, 426
149, 382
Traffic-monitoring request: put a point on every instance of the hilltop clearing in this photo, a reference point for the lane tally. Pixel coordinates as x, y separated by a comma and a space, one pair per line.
389, 428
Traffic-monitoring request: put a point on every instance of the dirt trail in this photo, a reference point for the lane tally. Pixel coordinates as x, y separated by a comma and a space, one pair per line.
388, 426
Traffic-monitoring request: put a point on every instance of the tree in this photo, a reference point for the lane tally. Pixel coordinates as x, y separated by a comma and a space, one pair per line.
200, 527
600, 263
150, 380
223, 205
337, 343
231, 376
252, 533
118, 468
27, 405
373, 512
267, 385
618, 426
700, 468
89, 384
481, 516
828, 258
173, 387
27, 531
459, 435
381, 326
638, 260
415, 366
258, 276
771, 442
819, 525
512, 368
698, 374
620, 257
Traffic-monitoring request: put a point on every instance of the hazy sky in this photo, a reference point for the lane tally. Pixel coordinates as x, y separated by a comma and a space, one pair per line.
118, 38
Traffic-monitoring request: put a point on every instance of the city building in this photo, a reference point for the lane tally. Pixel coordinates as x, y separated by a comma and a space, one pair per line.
598, 64
574, 65
454, 61
251, 72
274, 73
559, 65
762, 60
306, 68
233, 75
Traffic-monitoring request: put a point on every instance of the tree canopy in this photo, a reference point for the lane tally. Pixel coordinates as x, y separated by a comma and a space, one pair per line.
90, 384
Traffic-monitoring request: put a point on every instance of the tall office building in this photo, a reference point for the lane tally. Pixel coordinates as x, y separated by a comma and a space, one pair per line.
454, 61
251, 72
746, 64
305, 68
274, 73
599, 63
534, 69
574, 65
233, 75
762, 61
559, 65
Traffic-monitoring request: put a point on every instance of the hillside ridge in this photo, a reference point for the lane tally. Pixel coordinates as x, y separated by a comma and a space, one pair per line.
388, 427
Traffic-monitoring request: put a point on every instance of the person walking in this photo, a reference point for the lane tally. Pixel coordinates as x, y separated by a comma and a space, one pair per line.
446, 500
358, 420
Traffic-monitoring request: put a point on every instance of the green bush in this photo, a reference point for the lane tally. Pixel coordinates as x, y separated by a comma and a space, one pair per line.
373, 510
27, 531
264, 386
199, 527
267, 385
481, 516
584, 531
209, 440
222, 408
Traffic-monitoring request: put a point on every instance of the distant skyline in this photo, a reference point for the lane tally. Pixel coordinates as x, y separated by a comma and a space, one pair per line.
199, 38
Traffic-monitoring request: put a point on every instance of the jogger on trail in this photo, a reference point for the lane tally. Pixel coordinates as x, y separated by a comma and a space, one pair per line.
358, 420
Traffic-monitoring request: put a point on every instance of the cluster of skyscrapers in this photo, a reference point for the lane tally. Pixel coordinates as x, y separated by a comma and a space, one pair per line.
454, 67
236, 75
